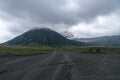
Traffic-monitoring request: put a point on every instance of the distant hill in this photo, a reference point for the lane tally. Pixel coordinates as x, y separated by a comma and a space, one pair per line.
101, 41
42, 36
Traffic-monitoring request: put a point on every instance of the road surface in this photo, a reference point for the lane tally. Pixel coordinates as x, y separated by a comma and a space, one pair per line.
61, 65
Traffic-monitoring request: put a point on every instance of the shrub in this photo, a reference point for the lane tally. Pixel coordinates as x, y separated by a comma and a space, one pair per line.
90, 50
98, 50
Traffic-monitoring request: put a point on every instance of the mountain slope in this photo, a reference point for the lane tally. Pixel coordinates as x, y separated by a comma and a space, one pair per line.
102, 41
43, 36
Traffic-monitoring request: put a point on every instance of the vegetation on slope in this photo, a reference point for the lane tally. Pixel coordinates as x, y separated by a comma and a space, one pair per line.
42, 37
106, 41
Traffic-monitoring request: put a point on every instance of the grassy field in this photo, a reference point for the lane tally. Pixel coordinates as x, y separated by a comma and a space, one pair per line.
24, 50
99, 50
35, 50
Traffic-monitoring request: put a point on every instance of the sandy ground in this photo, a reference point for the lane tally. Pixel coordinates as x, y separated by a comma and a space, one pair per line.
61, 65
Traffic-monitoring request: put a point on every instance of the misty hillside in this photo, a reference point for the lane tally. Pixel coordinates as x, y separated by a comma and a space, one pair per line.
67, 34
101, 41
43, 36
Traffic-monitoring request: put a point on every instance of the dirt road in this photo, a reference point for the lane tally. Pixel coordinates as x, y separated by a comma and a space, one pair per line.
61, 65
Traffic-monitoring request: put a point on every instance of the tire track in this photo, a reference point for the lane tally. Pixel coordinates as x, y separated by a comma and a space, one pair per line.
72, 70
34, 70
50, 72
16, 71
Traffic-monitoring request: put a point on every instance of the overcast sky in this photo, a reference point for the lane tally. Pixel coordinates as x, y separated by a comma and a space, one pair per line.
82, 18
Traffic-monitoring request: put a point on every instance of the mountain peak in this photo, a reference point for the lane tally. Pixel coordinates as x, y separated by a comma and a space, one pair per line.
43, 36
47, 29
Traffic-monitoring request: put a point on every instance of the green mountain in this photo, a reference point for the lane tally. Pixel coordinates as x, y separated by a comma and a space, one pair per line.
43, 36
112, 41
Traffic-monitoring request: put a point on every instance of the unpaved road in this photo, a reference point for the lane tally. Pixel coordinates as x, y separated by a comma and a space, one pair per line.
61, 65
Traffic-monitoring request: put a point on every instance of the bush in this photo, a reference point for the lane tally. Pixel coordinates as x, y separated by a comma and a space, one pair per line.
90, 50
98, 50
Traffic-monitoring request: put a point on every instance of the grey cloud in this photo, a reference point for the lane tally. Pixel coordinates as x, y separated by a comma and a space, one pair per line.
58, 11
59, 15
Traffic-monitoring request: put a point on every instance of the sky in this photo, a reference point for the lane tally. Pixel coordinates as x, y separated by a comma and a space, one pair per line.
82, 18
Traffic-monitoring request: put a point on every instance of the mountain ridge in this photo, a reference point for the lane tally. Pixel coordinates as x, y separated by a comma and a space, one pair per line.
101, 41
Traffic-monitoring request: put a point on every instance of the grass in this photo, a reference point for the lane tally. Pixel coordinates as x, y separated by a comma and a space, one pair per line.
95, 50
24, 50
35, 50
